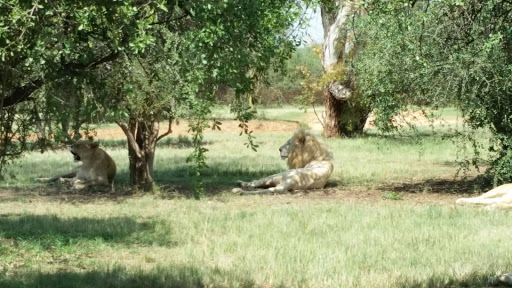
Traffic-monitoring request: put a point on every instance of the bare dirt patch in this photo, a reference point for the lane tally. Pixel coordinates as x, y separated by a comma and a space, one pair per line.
362, 196
417, 118
227, 126
345, 196
61, 194
404, 119
441, 191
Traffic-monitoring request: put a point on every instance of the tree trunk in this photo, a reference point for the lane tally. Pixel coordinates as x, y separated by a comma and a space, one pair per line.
142, 138
332, 114
141, 163
344, 114
40, 126
64, 124
77, 123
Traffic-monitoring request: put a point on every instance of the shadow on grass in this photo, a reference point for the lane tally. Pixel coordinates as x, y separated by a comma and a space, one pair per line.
180, 180
172, 181
62, 193
187, 276
160, 277
51, 231
441, 186
467, 281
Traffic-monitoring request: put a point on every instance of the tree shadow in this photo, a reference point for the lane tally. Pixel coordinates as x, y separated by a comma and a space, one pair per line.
51, 230
180, 180
173, 181
440, 186
481, 279
188, 276
118, 276
64, 193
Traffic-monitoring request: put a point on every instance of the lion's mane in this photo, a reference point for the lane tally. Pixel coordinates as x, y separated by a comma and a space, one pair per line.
305, 148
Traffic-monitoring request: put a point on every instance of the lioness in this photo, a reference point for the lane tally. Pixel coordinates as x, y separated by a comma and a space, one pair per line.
98, 168
310, 163
499, 197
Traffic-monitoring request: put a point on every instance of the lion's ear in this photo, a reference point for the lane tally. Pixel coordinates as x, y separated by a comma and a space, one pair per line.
300, 138
95, 145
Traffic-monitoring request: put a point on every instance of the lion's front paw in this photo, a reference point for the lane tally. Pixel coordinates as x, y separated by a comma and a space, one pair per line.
78, 185
460, 201
41, 180
243, 184
237, 190
500, 279
492, 206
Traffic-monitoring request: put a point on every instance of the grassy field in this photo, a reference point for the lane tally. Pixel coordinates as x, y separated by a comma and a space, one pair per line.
386, 219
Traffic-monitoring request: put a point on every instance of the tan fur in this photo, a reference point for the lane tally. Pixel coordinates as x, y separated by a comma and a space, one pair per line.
310, 166
499, 197
97, 168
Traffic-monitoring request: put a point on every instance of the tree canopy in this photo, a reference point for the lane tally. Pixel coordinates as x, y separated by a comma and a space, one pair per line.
441, 53
137, 62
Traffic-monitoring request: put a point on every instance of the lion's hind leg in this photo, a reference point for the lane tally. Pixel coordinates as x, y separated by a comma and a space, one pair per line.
80, 184
277, 189
282, 182
67, 175
267, 182
271, 184
501, 279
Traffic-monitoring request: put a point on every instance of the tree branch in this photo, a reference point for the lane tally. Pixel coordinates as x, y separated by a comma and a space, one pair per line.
131, 139
331, 34
22, 94
169, 20
182, 4
80, 66
169, 130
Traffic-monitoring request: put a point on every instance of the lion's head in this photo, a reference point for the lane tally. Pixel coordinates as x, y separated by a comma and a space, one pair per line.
83, 149
302, 149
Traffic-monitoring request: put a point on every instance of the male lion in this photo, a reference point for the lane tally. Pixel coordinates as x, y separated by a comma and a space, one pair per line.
97, 168
499, 197
310, 163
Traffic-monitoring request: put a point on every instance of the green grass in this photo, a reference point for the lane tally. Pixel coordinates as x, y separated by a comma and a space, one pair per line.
251, 241
366, 162
53, 237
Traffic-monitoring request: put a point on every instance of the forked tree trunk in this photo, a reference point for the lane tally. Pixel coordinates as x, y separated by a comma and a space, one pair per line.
142, 138
343, 115
64, 124
40, 125
77, 124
